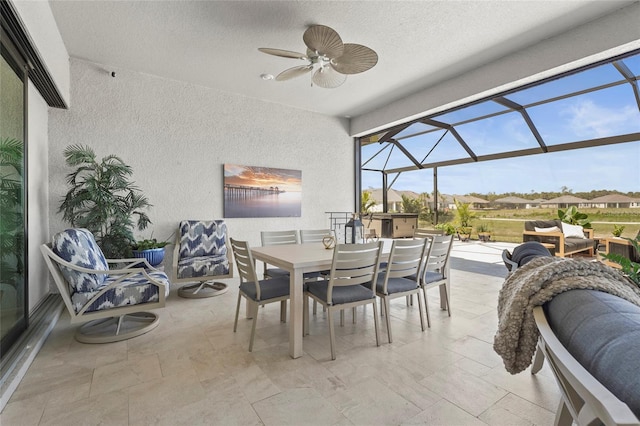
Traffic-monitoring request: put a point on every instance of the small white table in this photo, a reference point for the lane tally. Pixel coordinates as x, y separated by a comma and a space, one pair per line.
297, 259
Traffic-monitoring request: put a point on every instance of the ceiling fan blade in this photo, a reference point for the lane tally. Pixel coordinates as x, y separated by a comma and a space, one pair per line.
328, 78
324, 40
282, 53
355, 59
294, 72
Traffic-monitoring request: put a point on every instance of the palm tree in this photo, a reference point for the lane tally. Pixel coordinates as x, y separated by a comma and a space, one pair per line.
411, 205
102, 199
366, 202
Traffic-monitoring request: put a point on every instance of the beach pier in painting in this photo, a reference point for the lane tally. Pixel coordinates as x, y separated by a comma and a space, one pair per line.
261, 192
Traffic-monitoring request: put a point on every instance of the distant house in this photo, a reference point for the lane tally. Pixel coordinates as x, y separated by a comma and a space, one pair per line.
394, 200
476, 203
565, 201
513, 203
617, 201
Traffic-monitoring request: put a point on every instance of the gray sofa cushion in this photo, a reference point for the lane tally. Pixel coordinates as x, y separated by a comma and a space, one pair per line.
602, 332
572, 244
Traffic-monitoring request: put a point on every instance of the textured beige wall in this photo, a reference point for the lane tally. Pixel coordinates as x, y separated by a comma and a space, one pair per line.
177, 137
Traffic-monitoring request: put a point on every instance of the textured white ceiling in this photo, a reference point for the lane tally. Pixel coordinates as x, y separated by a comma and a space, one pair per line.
214, 43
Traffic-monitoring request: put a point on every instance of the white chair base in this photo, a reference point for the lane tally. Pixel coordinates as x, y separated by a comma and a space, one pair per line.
203, 289
115, 329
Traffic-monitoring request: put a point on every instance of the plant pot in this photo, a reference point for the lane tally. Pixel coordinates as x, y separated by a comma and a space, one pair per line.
154, 256
484, 236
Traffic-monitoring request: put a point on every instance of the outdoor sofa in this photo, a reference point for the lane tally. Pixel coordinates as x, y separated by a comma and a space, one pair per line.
566, 239
590, 339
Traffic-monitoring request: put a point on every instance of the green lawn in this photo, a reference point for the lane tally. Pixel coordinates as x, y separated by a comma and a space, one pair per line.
507, 225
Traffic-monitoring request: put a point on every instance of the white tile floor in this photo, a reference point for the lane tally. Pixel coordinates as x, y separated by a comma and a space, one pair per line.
193, 369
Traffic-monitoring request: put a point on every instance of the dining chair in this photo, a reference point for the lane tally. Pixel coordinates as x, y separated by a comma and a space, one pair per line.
424, 233
308, 236
256, 292
435, 272
401, 278
272, 238
351, 283
314, 235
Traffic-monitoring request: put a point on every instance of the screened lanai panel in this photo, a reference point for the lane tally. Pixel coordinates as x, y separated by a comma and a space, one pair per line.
371, 179
446, 149
598, 76
423, 144
418, 180
392, 156
375, 155
501, 133
600, 114
634, 64
469, 112
415, 128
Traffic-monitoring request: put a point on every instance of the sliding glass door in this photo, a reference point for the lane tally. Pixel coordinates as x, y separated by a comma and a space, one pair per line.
13, 276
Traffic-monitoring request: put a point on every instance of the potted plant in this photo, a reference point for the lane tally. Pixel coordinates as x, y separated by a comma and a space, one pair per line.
464, 215
484, 232
464, 233
447, 228
104, 200
617, 230
150, 249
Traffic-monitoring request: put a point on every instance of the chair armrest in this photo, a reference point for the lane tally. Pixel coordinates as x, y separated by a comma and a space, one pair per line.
558, 235
129, 263
588, 233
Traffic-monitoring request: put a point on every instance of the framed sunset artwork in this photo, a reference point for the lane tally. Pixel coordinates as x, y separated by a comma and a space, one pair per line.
251, 191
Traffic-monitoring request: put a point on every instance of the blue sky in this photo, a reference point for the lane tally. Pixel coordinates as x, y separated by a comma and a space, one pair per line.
603, 113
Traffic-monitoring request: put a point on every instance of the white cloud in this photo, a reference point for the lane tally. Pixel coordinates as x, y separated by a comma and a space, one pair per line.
588, 120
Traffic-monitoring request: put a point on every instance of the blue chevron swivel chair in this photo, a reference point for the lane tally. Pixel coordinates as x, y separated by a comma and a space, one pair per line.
110, 297
202, 253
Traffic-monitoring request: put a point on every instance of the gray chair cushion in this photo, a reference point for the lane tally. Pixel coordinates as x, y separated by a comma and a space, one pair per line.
269, 289
572, 244
352, 293
527, 251
396, 285
602, 332
431, 276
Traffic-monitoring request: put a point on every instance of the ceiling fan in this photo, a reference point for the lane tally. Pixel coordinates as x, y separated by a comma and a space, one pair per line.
327, 56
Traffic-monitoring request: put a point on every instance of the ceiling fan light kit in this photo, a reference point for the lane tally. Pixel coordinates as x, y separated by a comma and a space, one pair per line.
327, 56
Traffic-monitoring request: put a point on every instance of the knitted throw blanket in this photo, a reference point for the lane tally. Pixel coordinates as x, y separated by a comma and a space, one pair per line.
538, 282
